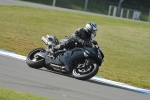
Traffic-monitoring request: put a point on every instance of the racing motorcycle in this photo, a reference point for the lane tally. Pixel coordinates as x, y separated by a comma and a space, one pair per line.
81, 63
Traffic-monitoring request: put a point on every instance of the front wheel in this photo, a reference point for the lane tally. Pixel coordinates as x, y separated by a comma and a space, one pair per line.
35, 61
84, 73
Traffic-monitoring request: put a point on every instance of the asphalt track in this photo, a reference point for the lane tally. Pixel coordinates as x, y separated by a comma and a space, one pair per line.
16, 75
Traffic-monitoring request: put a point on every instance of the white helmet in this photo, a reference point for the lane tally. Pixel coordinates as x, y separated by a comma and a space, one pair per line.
91, 29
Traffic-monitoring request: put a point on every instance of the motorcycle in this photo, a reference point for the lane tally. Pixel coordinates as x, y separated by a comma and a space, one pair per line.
81, 63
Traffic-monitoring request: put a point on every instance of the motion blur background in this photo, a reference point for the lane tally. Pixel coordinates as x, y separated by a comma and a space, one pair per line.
105, 7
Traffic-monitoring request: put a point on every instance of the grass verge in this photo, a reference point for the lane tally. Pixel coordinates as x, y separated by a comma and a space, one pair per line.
126, 44
12, 95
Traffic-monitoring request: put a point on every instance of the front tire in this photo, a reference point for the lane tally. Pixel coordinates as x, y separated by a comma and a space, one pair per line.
34, 61
83, 74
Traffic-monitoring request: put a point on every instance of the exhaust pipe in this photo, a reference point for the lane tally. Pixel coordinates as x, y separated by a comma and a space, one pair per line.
46, 41
58, 68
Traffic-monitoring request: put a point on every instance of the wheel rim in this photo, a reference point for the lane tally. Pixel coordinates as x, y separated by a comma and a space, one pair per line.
80, 70
34, 56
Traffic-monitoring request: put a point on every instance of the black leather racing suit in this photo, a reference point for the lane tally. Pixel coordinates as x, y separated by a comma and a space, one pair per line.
80, 36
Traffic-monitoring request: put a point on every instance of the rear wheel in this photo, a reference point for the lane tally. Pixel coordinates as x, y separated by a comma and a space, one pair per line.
83, 73
35, 61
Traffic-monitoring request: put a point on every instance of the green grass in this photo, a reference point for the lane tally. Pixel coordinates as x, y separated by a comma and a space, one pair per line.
126, 44
6, 94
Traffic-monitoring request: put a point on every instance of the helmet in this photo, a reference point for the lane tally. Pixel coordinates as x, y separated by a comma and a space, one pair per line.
91, 29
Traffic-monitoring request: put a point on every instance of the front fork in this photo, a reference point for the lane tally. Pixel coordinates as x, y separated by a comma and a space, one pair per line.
85, 67
87, 63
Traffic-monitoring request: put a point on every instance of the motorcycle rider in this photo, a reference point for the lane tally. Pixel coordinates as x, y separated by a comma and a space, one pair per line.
82, 37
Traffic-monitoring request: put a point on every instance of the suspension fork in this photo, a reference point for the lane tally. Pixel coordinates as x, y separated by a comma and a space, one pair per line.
87, 63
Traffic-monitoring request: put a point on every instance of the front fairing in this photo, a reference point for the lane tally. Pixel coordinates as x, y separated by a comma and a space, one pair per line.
69, 56
92, 51
79, 53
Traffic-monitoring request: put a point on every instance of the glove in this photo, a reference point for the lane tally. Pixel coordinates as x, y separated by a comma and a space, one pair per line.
94, 42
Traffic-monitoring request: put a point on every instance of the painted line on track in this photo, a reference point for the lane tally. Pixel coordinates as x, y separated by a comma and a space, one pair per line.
96, 78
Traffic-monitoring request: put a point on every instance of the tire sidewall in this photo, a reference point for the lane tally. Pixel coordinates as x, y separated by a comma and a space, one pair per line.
35, 64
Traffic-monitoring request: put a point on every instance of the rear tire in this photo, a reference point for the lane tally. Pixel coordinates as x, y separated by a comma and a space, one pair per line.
33, 61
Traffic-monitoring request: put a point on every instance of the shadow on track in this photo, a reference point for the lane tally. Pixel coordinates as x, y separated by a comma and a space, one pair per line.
89, 80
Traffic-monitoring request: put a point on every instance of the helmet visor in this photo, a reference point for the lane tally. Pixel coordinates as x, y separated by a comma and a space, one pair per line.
93, 34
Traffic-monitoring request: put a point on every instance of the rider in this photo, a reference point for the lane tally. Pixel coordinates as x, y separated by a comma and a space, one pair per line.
82, 37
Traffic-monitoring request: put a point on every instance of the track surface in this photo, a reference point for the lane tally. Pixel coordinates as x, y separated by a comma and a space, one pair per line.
16, 75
